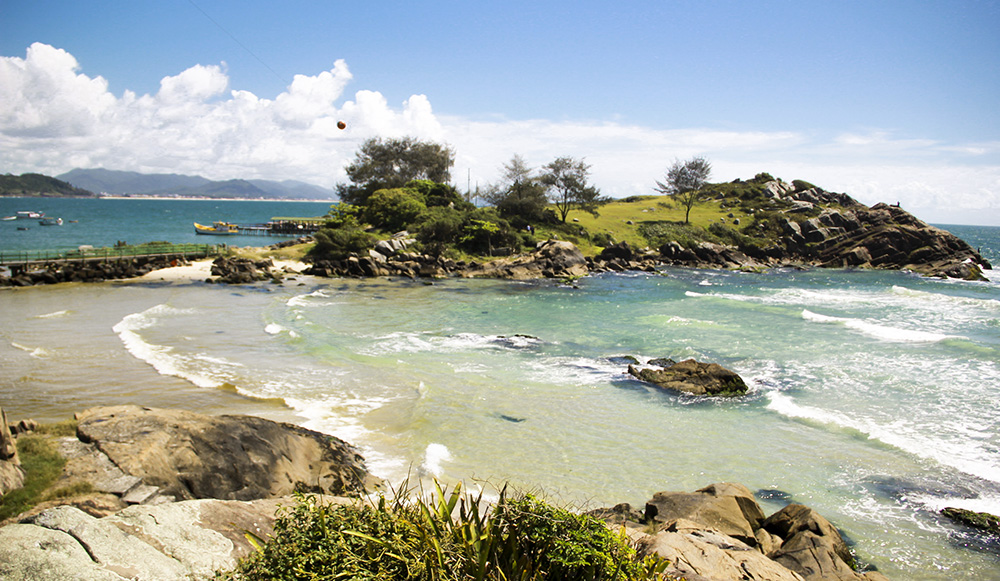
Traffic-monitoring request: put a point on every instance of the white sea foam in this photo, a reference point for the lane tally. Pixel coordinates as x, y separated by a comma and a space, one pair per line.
53, 315
164, 359
882, 332
37, 352
963, 455
434, 456
406, 342
309, 299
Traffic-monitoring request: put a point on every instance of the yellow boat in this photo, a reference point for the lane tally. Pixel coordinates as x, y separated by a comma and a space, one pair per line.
217, 229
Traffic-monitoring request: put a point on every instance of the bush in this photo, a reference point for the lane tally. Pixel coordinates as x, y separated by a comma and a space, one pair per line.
339, 243
440, 224
802, 185
393, 209
452, 536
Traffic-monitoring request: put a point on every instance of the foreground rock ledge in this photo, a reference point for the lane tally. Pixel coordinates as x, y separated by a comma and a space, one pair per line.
720, 533
137, 455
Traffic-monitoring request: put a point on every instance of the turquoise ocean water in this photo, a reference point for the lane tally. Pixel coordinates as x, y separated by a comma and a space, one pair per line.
873, 394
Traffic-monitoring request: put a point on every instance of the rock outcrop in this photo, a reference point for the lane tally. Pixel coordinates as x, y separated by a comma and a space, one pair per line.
720, 533
91, 270
844, 234
550, 259
183, 540
184, 455
694, 378
11, 474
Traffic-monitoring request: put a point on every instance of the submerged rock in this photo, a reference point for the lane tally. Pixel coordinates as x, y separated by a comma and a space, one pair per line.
978, 520
694, 377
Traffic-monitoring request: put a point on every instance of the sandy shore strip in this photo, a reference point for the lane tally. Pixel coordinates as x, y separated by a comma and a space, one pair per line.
200, 270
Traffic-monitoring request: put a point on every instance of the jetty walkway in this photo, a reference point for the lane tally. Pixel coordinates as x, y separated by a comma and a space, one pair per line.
19, 261
282, 227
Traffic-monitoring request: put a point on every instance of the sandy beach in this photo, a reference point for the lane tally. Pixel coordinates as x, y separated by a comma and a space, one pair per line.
199, 270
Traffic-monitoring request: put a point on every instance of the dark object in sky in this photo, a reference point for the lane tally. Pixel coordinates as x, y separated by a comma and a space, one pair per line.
341, 125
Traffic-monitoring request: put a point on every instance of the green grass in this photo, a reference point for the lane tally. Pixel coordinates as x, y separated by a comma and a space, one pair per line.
42, 465
450, 535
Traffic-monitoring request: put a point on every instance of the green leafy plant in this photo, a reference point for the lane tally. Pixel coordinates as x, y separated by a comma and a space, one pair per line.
449, 535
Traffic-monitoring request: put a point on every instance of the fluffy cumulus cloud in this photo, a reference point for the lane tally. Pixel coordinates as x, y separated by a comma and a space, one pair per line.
55, 118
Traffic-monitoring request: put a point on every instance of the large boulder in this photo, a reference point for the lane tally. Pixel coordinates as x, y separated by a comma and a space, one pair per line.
727, 508
694, 377
720, 533
189, 455
183, 540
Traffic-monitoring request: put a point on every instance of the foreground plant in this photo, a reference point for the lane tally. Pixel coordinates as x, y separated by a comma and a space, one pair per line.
452, 535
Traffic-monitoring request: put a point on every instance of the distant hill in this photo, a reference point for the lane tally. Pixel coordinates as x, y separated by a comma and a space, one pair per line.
34, 184
176, 185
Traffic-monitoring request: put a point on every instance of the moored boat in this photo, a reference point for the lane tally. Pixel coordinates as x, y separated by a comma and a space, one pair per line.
51, 221
25, 215
217, 229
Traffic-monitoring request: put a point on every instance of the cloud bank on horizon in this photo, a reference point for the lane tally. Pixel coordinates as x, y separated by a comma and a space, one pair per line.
55, 118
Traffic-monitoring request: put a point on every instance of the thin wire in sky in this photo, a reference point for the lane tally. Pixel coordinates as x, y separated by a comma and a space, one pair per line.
237, 41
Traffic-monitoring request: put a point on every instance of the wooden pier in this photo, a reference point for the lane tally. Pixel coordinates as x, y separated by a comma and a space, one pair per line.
281, 228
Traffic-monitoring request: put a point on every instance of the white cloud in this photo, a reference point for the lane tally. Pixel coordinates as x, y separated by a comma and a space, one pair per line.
54, 118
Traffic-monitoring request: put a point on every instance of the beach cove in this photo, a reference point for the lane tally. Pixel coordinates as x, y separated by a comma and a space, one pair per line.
870, 391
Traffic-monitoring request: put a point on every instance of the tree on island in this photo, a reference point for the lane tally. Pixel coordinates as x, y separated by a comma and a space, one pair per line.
567, 177
684, 180
392, 163
520, 195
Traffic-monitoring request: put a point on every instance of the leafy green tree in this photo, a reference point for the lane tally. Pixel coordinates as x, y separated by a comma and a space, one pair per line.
393, 209
683, 180
520, 195
438, 194
567, 178
391, 163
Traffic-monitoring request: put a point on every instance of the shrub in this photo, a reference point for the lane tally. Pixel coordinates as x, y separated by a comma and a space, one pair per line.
451, 536
393, 209
339, 243
802, 185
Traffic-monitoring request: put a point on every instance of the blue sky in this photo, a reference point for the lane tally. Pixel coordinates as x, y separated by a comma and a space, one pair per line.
887, 101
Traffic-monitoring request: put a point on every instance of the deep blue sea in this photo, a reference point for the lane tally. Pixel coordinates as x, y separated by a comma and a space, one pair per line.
103, 222
873, 394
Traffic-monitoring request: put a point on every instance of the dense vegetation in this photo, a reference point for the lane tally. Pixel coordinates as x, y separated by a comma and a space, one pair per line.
526, 205
452, 535
33, 184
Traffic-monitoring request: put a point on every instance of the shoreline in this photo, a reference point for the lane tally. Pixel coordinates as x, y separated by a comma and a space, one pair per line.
201, 270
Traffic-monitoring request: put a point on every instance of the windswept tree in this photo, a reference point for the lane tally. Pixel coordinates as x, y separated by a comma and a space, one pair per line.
567, 180
683, 180
391, 163
520, 195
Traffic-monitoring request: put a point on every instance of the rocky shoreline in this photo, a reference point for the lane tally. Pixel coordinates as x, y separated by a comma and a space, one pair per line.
849, 235
172, 494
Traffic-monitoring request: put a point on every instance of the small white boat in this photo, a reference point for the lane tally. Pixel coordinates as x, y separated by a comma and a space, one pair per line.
25, 216
51, 221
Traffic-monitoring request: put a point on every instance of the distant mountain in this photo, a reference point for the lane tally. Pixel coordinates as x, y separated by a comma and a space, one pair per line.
176, 185
34, 184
